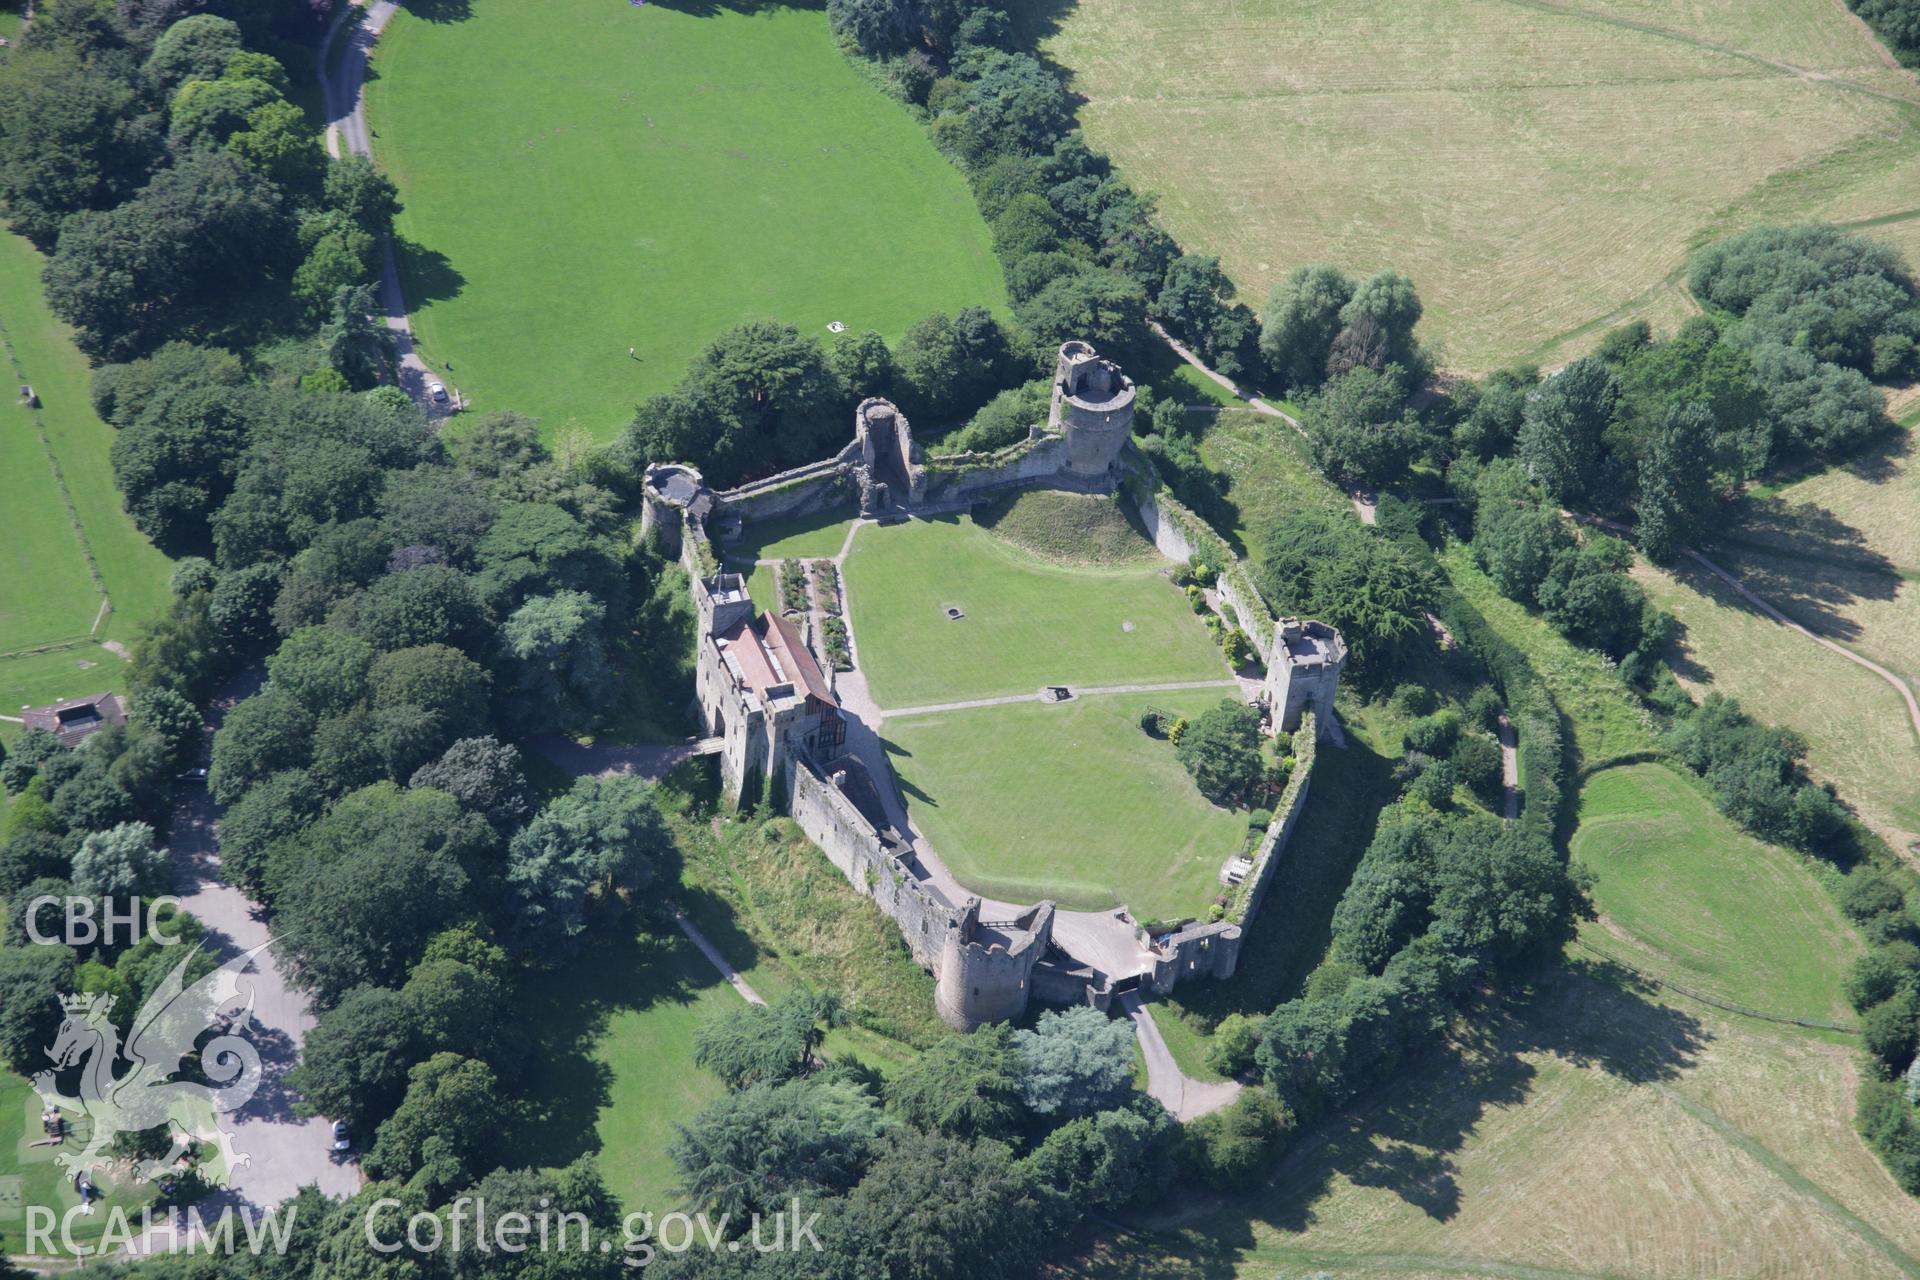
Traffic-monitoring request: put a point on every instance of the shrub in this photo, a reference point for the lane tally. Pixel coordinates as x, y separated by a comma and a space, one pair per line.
1888, 1030
1222, 751
1413, 700
1230, 1050
1483, 708
793, 587
1877, 975
1476, 757
1229, 1148
1237, 647
1433, 735
1885, 1119
833, 634
1868, 893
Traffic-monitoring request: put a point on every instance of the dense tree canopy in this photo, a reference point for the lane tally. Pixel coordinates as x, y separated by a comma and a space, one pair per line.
1330, 567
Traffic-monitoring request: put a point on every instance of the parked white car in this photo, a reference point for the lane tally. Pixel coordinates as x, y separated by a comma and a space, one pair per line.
437, 392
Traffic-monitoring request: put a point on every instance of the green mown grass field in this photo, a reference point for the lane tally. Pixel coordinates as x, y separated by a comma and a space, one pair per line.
1028, 622
1686, 896
599, 177
48, 594
1072, 802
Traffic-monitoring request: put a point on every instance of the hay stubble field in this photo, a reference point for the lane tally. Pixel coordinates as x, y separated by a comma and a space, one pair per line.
1540, 169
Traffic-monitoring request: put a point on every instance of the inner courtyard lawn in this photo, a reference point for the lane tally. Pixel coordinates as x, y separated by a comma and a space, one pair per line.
1072, 802
818, 537
1027, 622
1693, 900
607, 177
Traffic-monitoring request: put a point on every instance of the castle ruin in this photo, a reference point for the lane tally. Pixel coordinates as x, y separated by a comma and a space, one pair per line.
771, 704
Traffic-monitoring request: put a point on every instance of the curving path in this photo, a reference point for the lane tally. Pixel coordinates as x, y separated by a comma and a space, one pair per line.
1764, 606
1363, 503
1184, 1097
343, 89
1767, 608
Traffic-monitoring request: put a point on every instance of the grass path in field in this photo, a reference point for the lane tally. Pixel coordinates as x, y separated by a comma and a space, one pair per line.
1689, 898
1590, 1131
1028, 622
1856, 727
1072, 802
1838, 552
590, 177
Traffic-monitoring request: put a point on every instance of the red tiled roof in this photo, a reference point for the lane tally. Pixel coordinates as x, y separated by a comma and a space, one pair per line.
769, 652
798, 659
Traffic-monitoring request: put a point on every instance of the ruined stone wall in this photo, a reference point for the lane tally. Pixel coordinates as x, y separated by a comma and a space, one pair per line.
804, 491
1058, 980
851, 844
1273, 846
1198, 951
1180, 535
962, 476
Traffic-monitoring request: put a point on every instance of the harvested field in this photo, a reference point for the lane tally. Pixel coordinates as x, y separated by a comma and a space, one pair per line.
1594, 1131
1540, 169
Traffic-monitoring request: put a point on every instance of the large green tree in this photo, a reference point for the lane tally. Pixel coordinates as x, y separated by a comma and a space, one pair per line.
579, 860
180, 259
755, 1149
1560, 429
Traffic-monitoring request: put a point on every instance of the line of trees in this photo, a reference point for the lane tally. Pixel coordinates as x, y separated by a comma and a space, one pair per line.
420, 610
1002, 1136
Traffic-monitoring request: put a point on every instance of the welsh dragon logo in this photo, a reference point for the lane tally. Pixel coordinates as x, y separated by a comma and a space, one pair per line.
170, 1026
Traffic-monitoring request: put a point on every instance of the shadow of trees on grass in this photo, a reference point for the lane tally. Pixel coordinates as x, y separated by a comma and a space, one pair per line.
570, 1083
1407, 1139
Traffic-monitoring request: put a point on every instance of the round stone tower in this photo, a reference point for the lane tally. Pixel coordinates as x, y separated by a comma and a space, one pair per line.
986, 968
669, 492
1092, 407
